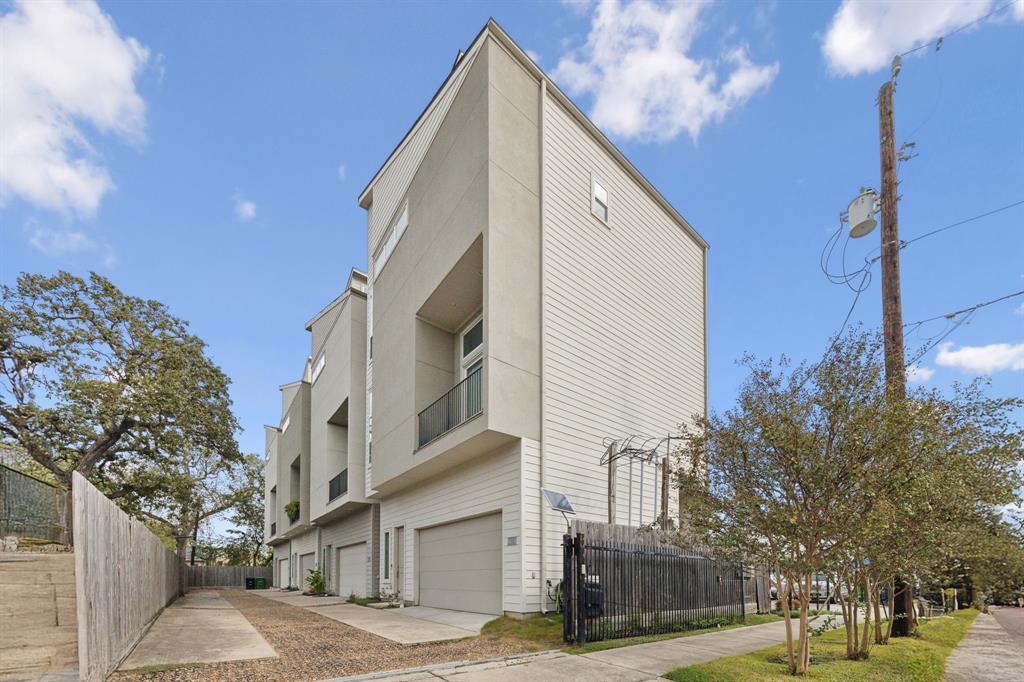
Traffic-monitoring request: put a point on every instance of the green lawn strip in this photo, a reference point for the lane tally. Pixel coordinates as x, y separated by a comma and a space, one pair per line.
541, 633
752, 619
921, 658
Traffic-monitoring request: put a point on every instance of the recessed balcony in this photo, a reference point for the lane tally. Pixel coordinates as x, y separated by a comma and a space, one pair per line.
463, 402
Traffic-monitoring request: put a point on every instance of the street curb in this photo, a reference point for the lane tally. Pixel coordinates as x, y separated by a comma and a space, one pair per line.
513, 659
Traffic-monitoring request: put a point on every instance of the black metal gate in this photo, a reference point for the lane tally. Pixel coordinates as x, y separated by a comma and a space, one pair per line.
614, 589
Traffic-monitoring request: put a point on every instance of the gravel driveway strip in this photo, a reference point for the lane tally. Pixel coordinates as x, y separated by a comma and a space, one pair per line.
312, 647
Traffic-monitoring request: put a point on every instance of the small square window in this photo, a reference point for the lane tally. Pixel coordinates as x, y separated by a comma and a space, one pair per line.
599, 201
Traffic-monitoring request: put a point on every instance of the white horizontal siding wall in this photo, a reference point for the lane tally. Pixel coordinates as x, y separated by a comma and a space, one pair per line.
302, 544
623, 324
532, 504
489, 484
348, 531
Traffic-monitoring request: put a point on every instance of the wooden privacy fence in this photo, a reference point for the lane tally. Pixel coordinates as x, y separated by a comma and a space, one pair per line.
31, 508
618, 582
226, 576
124, 577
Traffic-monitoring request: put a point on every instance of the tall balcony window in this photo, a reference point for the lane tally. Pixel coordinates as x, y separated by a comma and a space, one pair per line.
337, 486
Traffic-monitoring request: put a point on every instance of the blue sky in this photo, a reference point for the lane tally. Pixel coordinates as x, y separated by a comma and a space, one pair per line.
209, 155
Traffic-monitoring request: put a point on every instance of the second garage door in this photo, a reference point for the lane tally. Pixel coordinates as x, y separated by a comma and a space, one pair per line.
352, 570
460, 565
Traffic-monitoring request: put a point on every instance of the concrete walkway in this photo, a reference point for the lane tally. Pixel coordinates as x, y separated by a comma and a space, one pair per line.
638, 663
993, 649
201, 627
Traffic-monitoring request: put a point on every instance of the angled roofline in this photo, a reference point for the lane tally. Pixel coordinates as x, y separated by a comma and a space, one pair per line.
366, 196
357, 280
493, 29
506, 40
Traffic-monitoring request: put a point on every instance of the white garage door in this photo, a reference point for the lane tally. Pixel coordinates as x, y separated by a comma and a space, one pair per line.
460, 565
351, 575
307, 562
282, 573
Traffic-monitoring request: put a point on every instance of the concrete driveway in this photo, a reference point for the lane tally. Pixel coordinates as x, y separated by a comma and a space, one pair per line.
409, 625
201, 627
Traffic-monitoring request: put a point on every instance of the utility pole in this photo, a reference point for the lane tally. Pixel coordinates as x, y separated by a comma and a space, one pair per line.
892, 307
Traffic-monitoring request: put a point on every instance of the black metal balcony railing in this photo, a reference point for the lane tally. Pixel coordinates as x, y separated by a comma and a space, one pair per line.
451, 409
273, 528
337, 486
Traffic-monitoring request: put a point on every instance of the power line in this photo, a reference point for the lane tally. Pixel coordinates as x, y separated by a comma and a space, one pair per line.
941, 39
971, 309
903, 244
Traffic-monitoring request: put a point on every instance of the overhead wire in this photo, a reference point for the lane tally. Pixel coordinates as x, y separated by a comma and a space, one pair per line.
954, 320
941, 38
906, 242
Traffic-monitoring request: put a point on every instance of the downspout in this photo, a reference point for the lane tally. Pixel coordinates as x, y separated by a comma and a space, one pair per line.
540, 495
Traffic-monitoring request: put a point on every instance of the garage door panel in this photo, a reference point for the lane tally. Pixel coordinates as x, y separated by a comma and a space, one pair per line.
481, 559
352, 570
460, 565
462, 600
478, 580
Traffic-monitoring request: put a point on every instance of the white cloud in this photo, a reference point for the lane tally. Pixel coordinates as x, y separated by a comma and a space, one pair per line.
865, 36
535, 56
994, 357
919, 374
64, 243
64, 65
342, 172
1019, 310
637, 66
245, 210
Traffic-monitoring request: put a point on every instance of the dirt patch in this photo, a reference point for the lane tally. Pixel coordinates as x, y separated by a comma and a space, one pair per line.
312, 647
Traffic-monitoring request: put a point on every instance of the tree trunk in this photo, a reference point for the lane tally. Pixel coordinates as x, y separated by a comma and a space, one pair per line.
181, 542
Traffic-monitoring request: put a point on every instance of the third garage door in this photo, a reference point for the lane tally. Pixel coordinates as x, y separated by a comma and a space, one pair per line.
352, 570
460, 565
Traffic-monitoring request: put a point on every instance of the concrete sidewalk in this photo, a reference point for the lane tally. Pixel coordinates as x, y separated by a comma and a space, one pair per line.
991, 650
637, 663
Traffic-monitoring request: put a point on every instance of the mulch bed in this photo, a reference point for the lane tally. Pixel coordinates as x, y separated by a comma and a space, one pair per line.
313, 647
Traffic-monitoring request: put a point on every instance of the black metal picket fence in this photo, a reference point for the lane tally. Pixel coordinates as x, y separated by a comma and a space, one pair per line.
614, 589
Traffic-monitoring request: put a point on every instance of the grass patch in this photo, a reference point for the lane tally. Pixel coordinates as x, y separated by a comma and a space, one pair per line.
602, 645
542, 633
362, 601
536, 633
921, 658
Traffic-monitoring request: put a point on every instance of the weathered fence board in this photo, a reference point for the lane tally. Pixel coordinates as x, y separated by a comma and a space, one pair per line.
124, 577
226, 576
30, 508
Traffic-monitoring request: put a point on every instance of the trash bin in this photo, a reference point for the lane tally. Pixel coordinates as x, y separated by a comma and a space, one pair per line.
250, 583
261, 583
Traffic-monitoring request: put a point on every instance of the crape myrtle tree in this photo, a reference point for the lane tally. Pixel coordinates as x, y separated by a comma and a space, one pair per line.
816, 469
106, 384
